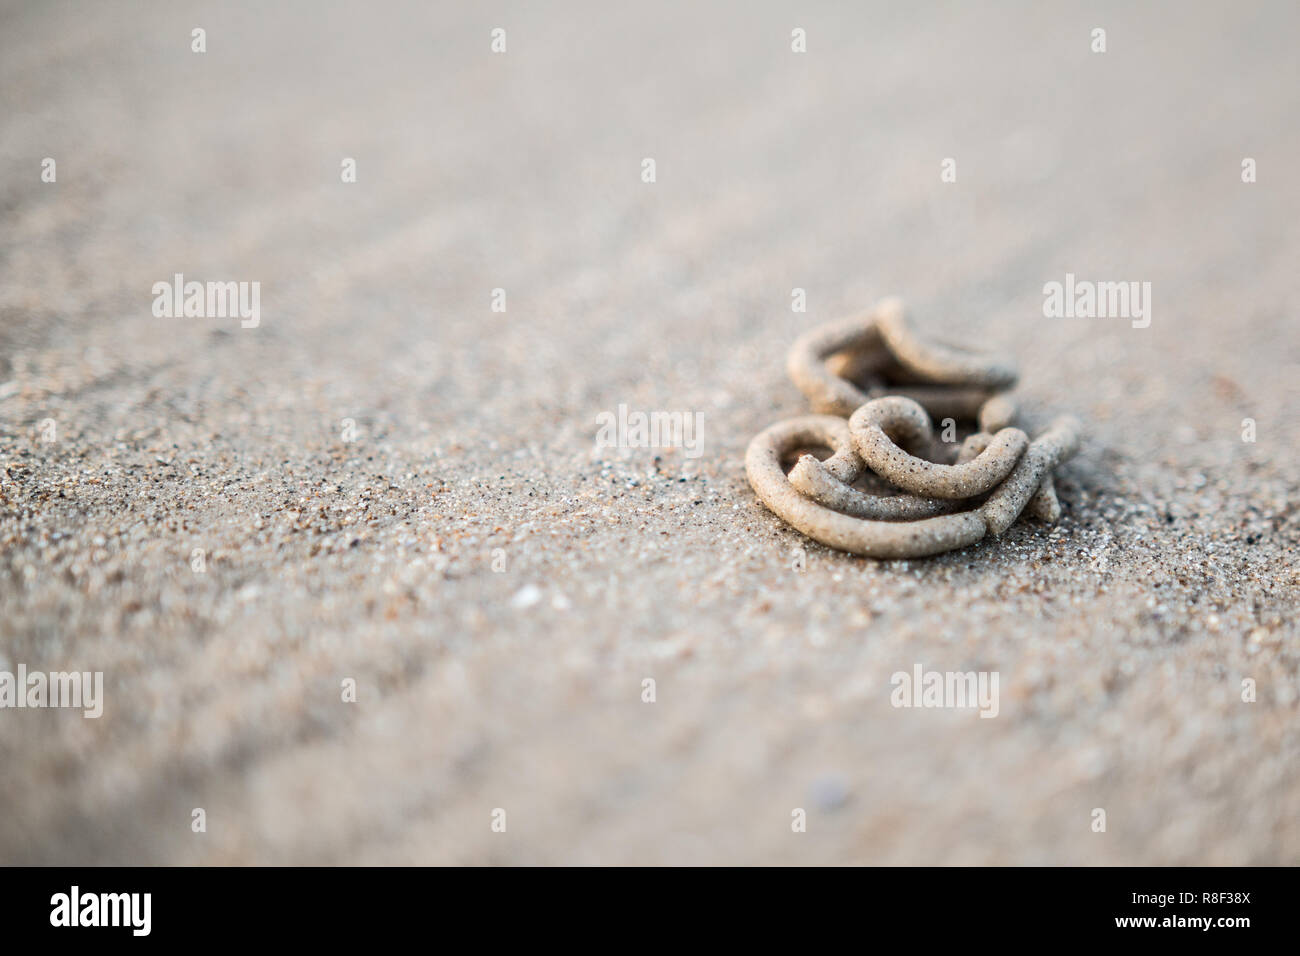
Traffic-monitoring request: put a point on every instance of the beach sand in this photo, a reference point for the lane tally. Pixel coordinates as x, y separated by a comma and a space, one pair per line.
496, 586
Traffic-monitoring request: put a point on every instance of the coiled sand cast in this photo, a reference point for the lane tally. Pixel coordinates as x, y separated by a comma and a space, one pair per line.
878, 389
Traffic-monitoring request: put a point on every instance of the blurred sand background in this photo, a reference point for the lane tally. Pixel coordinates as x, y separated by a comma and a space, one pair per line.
1121, 636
